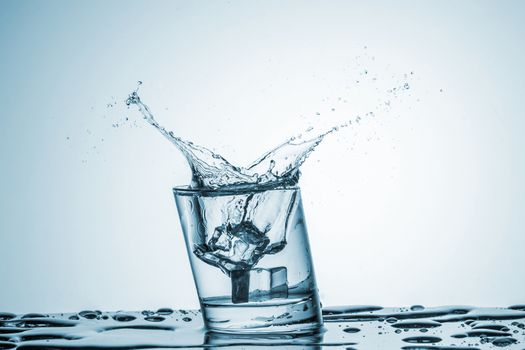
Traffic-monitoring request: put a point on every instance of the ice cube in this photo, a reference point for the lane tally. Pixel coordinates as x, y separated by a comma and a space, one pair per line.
248, 243
268, 284
260, 280
226, 266
235, 249
220, 240
279, 282
240, 286
232, 247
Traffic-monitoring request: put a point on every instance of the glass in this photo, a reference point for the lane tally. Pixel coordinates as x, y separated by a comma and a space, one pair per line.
251, 260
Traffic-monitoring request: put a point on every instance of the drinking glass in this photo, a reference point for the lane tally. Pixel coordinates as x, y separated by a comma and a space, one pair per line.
251, 260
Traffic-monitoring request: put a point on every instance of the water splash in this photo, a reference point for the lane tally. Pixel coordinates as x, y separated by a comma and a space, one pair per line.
278, 167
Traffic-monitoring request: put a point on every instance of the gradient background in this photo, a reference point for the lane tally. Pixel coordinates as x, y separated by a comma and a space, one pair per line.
423, 204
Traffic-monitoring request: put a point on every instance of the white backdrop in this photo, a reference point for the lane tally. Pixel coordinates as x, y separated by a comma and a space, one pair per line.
422, 204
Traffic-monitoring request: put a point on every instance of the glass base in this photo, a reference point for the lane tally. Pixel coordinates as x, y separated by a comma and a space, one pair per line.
292, 315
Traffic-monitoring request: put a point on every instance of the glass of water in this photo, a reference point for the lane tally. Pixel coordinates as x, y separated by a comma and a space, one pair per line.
251, 259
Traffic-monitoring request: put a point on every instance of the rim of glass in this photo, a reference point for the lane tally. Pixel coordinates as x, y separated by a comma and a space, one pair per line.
187, 191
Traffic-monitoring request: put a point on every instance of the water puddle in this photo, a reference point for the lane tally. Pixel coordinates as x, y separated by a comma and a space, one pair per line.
346, 327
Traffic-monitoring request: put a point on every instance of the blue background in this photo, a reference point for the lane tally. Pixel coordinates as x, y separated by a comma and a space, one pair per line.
424, 203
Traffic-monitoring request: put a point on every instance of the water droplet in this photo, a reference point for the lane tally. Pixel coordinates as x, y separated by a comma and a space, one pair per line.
7, 345
417, 308
34, 315
90, 315
517, 307
459, 336
164, 311
501, 342
154, 318
6, 316
495, 327
351, 330
43, 322
416, 324
422, 340
337, 310
123, 317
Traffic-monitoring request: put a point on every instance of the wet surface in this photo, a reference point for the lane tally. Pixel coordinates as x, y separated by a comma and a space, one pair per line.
346, 327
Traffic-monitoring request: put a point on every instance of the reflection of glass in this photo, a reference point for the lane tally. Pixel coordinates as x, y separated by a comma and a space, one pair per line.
214, 340
251, 259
